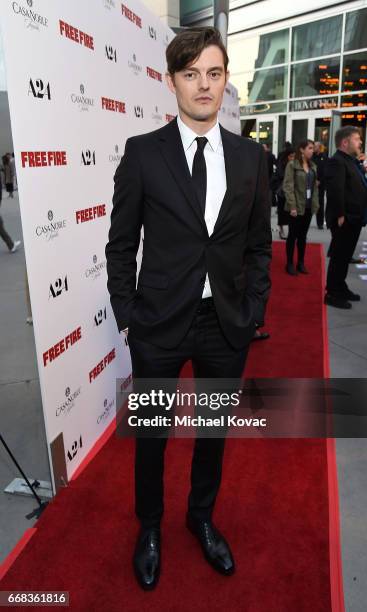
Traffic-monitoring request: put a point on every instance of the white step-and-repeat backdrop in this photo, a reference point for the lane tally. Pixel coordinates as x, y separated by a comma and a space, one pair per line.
82, 77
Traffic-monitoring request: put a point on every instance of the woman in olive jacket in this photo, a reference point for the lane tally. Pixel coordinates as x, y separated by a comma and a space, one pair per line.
301, 201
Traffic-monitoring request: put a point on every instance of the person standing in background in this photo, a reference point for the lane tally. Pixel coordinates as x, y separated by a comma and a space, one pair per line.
346, 213
301, 201
13, 170
320, 158
270, 158
8, 175
277, 187
271, 161
12, 245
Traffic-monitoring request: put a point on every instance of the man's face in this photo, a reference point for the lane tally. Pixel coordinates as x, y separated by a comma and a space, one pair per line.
199, 87
354, 144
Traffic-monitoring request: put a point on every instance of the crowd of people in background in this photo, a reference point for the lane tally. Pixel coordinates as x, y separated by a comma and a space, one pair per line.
304, 182
8, 178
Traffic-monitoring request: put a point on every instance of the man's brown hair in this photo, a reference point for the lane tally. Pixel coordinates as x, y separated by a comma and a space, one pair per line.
345, 132
187, 45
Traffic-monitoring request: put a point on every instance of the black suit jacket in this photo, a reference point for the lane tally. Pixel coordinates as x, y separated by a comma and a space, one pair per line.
320, 159
154, 189
346, 190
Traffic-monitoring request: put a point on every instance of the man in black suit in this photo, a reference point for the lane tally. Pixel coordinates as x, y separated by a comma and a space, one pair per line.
346, 213
320, 159
201, 193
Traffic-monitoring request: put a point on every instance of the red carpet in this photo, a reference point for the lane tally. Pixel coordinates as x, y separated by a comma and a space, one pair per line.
273, 504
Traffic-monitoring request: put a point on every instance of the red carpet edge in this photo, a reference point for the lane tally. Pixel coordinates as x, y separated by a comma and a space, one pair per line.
336, 567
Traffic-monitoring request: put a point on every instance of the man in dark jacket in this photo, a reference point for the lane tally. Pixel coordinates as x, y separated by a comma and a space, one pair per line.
320, 158
346, 213
201, 194
270, 159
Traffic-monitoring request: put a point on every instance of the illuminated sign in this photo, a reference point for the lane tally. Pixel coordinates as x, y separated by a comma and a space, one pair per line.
313, 104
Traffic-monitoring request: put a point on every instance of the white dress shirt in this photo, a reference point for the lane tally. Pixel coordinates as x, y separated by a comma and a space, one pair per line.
216, 183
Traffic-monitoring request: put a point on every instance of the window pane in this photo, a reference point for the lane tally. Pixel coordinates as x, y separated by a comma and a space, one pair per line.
299, 131
261, 85
315, 78
268, 85
356, 30
356, 100
318, 38
355, 72
322, 131
258, 52
248, 128
282, 132
266, 133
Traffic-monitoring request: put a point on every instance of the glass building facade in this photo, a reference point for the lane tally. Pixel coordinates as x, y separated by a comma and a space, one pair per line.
296, 81
301, 72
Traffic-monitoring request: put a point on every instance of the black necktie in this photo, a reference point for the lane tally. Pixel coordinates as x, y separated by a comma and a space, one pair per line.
199, 171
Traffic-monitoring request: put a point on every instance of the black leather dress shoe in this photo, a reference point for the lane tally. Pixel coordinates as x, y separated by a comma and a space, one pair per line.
352, 297
301, 268
291, 269
337, 302
215, 548
146, 560
357, 260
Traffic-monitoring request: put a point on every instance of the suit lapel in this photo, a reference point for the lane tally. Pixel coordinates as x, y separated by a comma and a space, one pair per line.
170, 144
233, 168
171, 147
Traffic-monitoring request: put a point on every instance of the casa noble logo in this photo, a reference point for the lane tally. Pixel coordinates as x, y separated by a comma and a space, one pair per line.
33, 20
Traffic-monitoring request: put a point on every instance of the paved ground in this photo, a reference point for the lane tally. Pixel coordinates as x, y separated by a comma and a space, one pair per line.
22, 421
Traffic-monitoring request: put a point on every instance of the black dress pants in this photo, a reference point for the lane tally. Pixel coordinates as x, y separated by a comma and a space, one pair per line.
297, 232
320, 215
343, 243
5, 236
283, 215
212, 357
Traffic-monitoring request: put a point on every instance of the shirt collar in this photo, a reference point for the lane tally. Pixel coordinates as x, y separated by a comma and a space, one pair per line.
188, 135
